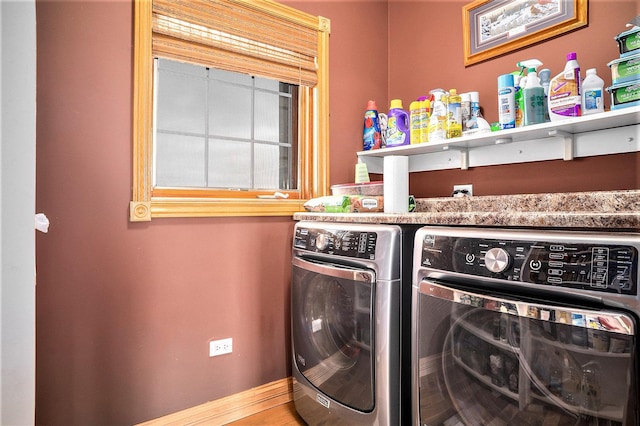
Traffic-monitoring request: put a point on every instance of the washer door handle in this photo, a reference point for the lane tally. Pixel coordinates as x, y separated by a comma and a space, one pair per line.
338, 271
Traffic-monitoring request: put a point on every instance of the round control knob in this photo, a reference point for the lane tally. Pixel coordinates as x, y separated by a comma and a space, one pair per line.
496, 260
322, 241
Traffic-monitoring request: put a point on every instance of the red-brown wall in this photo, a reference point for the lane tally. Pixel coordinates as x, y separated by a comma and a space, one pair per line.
425, 52
125, 310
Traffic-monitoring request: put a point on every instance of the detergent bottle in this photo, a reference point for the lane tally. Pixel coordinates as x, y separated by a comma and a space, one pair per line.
371, 136
565, 96
398, 127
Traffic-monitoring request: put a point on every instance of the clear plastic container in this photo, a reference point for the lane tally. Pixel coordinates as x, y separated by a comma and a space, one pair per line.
365, 188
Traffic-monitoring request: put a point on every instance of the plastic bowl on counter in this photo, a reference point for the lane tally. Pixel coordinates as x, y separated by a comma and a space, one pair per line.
366, 188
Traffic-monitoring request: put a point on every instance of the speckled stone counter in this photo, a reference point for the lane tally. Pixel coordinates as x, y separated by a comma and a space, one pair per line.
610, 210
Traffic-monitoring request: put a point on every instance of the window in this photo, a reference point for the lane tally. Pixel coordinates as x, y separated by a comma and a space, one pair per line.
256, 73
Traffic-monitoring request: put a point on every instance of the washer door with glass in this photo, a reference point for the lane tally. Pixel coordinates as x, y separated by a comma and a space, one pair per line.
332, 326
484, 360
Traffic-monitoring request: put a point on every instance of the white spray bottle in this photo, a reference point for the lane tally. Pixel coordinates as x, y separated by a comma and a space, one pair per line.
525, 104
533, 94
526, 65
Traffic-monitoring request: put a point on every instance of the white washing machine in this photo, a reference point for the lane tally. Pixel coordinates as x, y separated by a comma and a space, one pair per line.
350, 296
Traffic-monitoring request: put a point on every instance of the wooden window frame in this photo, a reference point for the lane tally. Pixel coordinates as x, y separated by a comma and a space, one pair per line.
313, 135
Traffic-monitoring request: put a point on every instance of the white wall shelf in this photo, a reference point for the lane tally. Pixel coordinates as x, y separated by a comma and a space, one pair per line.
611, 132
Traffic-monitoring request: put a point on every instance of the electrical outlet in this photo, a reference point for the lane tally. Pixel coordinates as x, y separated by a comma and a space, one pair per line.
220, 347
462, 188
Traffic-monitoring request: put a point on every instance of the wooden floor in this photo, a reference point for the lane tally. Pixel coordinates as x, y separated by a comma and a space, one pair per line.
282, 415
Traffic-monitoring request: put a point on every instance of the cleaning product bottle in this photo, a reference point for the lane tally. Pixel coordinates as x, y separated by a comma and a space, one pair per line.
545, 76
474, 111
454, 115
414, 118
506, 102
371, 136
533, 94
592, 93
438, 119
465, 109
398, 128
518, 84
565, 98
424, 118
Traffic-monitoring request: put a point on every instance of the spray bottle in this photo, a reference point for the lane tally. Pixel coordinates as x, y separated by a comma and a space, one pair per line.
545, 80
438, 118
533, 94
520, 82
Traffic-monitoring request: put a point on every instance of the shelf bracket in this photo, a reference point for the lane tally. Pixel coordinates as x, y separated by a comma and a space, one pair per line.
464, 156
569, 150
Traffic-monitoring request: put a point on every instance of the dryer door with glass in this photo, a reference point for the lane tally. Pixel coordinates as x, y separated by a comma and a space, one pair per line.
332, 326
489, 359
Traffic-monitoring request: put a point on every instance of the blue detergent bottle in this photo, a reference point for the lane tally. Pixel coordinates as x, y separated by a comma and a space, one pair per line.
398, 129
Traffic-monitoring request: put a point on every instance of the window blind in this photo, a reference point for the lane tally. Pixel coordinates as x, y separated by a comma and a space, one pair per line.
234, 36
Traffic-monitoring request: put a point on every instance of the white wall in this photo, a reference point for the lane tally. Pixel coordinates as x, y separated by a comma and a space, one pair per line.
17, 208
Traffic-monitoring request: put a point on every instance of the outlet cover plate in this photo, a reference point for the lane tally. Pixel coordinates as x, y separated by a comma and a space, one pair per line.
467, 187
220, 347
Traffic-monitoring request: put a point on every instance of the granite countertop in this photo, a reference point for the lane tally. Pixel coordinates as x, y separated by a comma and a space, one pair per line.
611, 210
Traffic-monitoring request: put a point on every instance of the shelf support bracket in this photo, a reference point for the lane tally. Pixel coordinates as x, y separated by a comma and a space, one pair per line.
569, 150
464, 156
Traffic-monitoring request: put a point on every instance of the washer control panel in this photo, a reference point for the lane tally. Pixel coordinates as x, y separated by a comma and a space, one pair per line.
356, 244
599, 267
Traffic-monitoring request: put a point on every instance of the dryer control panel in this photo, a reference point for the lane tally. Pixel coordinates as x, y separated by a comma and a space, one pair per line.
594, 266
356, 244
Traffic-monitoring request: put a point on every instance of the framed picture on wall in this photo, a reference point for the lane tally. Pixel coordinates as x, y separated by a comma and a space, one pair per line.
494, 27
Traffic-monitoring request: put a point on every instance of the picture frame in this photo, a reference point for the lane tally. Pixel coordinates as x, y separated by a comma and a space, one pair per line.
495, 27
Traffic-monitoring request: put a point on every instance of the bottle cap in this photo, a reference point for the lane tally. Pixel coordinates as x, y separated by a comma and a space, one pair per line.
591, 71
453, 92
572, 56
371, 105
396, 103
475, 96
505, 80
422, 98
